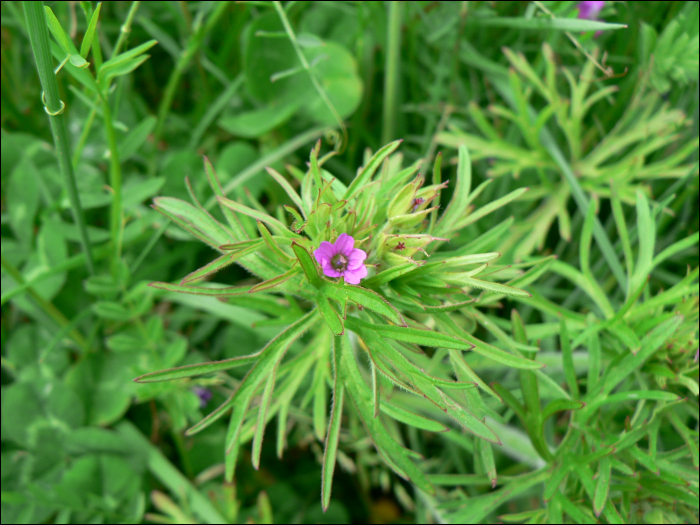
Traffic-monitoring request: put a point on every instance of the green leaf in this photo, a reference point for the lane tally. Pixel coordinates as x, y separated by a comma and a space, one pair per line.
275, 281
330, 316
602, 487
90, 32
363, 297
411, 419
262, 418
219, 264
560, 405
486, 455
287, 188
455, 208
568, 358
267, 360
490, 207
136, 138
411, 335
57, 31
123, 63
543, 24
272, 244
277, 226
193, 220
223, 291
631, 362
395, 455
307, 264
197, 369
551, 487
330, 451
257, 122
464, 279
485, 349
366, 174
647, 236
236, 226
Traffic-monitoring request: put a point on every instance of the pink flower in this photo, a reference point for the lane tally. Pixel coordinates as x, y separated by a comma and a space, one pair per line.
342, 259
589, 10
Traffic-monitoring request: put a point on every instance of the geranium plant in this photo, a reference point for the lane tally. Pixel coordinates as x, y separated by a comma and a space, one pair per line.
377, 294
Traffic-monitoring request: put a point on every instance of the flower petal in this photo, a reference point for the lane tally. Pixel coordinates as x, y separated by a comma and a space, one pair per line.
325, 250
329, 271
344, 244
354, 276
356, 258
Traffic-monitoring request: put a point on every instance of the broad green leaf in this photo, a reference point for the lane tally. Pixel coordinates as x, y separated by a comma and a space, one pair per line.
197, 369
366, 174
267, 360
307, 264
396, 456
455, 208
257, 122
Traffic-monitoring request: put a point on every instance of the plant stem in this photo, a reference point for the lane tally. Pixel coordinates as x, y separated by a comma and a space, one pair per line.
115, 182
305, 64
182, 64
48, 307
391, 72
39, 38
125, 29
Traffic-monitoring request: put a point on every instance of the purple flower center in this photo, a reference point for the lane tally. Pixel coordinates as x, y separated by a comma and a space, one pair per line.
339, 262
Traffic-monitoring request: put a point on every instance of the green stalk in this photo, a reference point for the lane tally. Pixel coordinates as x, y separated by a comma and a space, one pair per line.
48, 307
174, 81
39, 38
305, 64
97, 56
115, 182
391, 72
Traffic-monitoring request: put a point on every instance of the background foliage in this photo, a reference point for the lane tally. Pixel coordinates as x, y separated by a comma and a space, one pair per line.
602, 130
